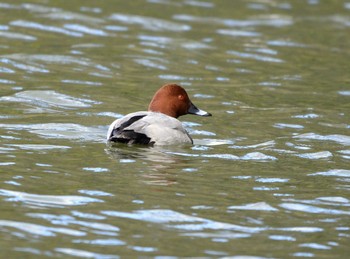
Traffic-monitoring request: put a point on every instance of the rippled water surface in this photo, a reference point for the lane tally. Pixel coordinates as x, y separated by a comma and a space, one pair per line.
268, 175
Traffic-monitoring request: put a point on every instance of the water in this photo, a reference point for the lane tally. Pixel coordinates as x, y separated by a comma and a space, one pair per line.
268, 176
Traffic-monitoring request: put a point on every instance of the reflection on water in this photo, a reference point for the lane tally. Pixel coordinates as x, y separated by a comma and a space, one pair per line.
269, 170
46, 200
47, 98
185, 222
150, 23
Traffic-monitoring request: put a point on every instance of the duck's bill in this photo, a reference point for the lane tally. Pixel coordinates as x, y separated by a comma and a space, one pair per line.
194, 110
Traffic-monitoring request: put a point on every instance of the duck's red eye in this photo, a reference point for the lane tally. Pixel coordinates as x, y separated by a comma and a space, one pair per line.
181, 97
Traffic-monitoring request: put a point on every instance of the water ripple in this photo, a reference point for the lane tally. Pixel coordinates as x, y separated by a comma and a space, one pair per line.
42, 27
302, 229
306, 116
38, 147
150, 23
199, 3
96, 169
85, 29
48, 98
222, 235
312, 209
95, 193
17, 36
340, 139
253, 156
174, 219
47, 200
267, 20
282, 238
66, 220
37, 8
254, 56
65, 15
333, 172
21, 66
261, 206
288, 125
344, 93
62, 131
258, 156
238, 33
315, 246
40, 230
149, 63
332, 201
316, 155
285, 43
271, 180
270, 143
157, 40
54, 59
100, 242
84, 254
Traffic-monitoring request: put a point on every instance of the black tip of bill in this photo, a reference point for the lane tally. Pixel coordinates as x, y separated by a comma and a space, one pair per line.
194, 110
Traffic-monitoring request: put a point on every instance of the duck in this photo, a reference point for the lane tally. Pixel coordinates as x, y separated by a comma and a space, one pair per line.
159, 125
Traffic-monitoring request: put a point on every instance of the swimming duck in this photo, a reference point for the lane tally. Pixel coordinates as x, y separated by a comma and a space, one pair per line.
158, 125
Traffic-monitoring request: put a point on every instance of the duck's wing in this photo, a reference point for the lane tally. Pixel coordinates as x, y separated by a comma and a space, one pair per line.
168, 131
148, 128
130, 129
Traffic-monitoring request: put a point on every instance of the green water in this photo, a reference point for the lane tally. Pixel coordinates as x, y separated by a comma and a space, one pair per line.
268, 175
